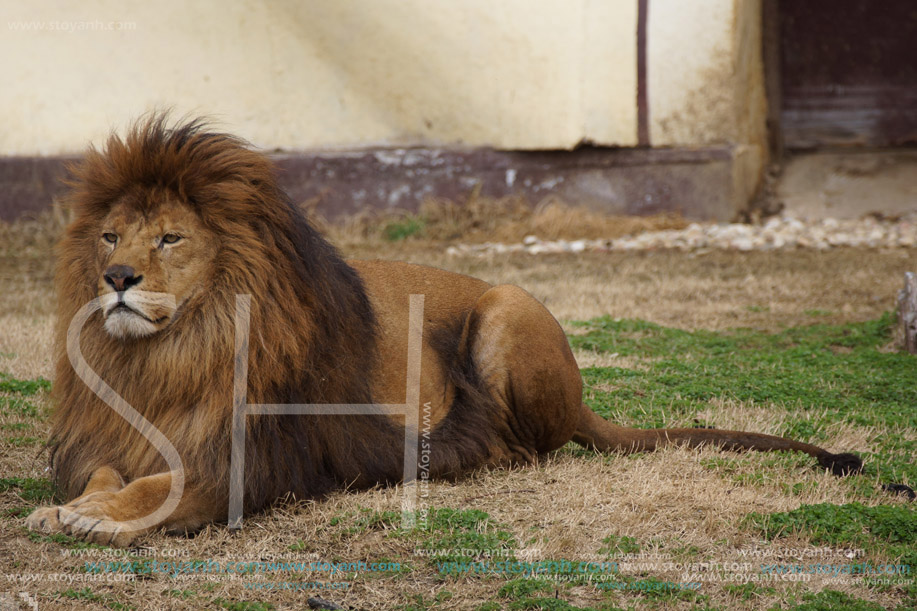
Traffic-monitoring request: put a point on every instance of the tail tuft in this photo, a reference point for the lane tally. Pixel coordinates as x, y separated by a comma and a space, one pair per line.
900, 489
841, 464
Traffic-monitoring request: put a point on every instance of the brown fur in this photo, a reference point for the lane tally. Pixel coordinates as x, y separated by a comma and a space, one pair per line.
498, 375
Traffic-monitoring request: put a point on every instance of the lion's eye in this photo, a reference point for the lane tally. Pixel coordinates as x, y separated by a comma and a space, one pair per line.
109, 237
170, 238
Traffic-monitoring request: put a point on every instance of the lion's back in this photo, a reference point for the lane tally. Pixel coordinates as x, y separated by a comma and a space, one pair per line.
446, 294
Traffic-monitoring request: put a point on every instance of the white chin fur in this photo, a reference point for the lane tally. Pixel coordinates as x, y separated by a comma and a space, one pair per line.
126, 324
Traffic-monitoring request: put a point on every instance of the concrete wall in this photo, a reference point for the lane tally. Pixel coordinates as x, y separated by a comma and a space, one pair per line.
291, 74
324, 73
706, 80
307, 75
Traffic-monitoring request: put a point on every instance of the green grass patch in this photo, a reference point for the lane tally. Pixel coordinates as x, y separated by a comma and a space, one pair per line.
242, 605
520, 588
888, 531
445, 535
749, 591
830, 600
535, 594
23, 441
452, 532
818, 374
816, 313
22, 387
615, 545
17, 406
822, 373
13, 392
17, 512
87, 595
33, 490
544, 604
853, 524
407, 227
61, 539
418, 602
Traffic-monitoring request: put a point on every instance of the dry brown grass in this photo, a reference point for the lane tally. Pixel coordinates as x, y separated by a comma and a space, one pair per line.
714, 290
561, 507
487, 219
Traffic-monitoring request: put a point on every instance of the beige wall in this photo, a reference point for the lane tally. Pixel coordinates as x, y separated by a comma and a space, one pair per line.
706, 80
326, 73
295, 75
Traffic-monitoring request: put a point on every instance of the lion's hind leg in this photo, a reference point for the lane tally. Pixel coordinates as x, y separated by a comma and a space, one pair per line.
525, 363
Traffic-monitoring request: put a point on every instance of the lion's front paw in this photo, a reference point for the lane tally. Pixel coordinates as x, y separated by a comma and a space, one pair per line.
90, 519
44, 519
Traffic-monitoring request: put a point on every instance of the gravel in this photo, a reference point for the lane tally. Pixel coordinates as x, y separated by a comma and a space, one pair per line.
777, 233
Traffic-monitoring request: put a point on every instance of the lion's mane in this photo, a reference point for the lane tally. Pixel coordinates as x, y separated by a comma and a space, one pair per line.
312, 330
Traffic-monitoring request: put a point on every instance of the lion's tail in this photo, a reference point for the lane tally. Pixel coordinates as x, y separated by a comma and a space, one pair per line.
596, 432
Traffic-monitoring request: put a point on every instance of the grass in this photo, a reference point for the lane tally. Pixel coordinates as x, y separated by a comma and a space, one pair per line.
443, 535
852, 524
778, 342
17, 406
614, 545
62, 540
749, 591
887, 533
243, 605
410, 226
673, 377
12, 393
32, 490
480, 218
23, 387
831, 600
820, 375
86, 595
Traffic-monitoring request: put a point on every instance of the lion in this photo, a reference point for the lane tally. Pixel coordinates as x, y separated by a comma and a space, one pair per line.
173, 221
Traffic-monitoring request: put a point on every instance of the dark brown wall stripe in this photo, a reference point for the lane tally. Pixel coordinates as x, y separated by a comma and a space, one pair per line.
643, 127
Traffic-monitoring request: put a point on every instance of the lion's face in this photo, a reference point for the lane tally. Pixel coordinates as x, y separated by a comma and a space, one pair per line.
150, 266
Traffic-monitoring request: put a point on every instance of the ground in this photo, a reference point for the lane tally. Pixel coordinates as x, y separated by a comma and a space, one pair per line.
678, 529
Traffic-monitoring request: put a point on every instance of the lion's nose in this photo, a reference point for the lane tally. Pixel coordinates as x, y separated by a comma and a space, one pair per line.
121, 277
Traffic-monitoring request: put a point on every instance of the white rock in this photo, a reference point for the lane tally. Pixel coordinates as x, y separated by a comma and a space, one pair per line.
742, 244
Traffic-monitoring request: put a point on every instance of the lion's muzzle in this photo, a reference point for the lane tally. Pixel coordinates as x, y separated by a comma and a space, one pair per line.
136, 313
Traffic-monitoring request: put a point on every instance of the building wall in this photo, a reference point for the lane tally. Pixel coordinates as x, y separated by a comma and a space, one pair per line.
306, 75
514, 74
325, 73
706, 80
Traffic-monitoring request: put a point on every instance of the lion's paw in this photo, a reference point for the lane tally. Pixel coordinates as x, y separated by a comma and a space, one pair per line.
87, 518
44, 519
90, 520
